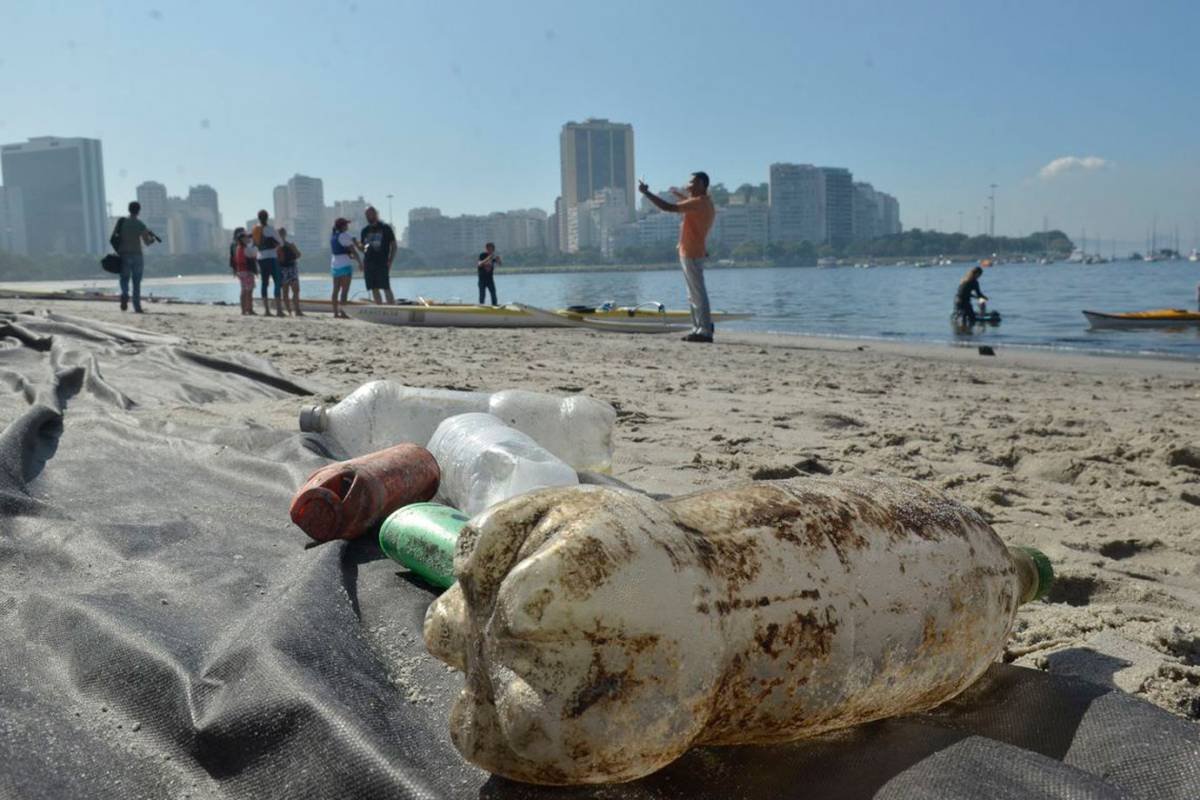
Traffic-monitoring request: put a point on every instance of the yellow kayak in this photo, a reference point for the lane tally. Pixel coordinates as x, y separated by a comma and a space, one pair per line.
1157, 318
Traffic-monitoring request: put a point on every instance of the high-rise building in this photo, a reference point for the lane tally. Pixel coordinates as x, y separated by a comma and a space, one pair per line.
889, 214
12, 222
797, 201
592, 223
441, 240
595, 155
62, 192
306, 203
552, 227
153, 198
283, 216
867, 213
353, 210
839, 206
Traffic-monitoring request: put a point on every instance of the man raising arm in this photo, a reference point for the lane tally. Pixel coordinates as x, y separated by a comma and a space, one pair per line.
698, 215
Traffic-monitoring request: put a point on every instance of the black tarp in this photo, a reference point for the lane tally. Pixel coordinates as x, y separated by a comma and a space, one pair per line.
165, 632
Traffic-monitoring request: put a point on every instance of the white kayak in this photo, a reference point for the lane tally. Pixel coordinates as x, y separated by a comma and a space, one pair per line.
517, 315
1158, 318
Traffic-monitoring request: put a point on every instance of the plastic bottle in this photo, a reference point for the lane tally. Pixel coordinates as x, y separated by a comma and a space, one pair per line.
577, 429
382, 413
422, 538
485, 462
625, 630
344, 500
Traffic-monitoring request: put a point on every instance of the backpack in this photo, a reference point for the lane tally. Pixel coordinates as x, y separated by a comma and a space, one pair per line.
115, 239
264, 242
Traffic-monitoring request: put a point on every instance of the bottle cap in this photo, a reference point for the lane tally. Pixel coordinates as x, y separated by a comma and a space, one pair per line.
1045, 572
313, 419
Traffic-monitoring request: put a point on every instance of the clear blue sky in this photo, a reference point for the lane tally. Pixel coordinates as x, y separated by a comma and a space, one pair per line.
458, 105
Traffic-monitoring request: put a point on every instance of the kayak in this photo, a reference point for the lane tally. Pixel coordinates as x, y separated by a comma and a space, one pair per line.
1158, 318
516, 315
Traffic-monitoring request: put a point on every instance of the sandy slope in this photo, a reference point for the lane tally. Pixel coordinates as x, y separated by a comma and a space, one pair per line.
1094, 460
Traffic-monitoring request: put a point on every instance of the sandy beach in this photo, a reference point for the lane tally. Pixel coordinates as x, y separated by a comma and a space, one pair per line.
1094, 460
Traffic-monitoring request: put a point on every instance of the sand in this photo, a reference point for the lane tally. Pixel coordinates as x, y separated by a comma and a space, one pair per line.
1095, 460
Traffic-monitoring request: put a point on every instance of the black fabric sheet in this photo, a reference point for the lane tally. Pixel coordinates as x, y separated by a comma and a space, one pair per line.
165, 632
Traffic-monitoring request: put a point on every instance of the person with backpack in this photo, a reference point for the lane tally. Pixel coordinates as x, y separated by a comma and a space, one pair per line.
266, 239
127, 239
289, 273
243, 267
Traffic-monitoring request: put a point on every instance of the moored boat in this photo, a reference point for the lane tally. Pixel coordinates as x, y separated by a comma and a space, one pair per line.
641, 319
1157, 318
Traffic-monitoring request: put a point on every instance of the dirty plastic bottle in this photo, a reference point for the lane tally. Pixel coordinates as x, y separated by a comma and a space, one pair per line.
577, 429
625, 630
422, 538
382, 413
344, 500
484, 462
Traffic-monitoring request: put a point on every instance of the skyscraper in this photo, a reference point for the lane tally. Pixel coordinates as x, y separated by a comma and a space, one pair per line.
839, 206
204, 197
306, 203
283, 215
12, 222
595, 154
797, 198
153, 198
62, 190
867, 213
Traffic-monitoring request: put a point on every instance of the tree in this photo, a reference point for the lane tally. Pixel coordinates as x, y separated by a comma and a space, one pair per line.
719, 194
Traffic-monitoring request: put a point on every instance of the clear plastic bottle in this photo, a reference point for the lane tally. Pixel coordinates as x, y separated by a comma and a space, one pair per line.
382, 413
485, 462
379, 414
577, 429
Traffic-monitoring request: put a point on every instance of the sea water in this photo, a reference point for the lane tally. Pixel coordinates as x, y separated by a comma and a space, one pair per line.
1040, 304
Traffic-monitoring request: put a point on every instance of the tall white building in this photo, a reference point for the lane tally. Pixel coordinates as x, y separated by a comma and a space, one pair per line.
61, 181
12, 222
797, 200
889, 214
595, 155
279, 201
153, 198
592, 223
353, 210
868, 213
306, 205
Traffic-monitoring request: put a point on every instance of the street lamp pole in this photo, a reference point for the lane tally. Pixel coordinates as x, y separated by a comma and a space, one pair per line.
389, 197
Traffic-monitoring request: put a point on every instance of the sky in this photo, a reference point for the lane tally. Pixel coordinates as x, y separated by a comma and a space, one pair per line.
1085, 114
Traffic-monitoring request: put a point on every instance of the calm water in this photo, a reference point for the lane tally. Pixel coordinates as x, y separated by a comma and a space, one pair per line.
1040, 305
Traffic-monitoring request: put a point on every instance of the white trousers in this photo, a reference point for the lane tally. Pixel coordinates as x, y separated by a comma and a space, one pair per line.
693, 273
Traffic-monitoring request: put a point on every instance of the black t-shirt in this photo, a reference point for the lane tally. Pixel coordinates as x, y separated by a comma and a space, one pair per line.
966, 289
488, 270
377, 242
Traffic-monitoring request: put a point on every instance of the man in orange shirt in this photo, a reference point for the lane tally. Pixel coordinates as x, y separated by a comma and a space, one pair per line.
698, 215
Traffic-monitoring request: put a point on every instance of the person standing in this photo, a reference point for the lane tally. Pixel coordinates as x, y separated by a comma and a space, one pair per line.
127, 239
288, 258
341, 264
378, 245
243, 268
698, 215
489, 259
266, 240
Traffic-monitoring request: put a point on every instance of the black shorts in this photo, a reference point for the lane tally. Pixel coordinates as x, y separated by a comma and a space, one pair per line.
377, 276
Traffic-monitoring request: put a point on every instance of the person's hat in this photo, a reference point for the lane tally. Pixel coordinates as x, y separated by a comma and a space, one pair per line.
340, 221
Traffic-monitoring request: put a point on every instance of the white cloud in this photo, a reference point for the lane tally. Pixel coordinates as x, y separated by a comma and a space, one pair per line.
1061, 166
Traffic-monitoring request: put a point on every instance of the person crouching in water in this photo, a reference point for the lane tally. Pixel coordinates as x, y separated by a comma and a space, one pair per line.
289, 273
968, 287
341, 265
243, 267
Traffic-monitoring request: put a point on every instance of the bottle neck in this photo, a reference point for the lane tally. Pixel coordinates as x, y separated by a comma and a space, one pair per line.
1034, 573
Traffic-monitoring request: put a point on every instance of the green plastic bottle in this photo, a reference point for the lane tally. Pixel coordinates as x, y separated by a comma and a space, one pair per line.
421, 537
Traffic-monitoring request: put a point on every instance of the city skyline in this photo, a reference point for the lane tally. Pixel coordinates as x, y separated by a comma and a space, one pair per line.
936, 102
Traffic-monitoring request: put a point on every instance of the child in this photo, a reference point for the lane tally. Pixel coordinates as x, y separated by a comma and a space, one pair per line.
289, 273
243, 267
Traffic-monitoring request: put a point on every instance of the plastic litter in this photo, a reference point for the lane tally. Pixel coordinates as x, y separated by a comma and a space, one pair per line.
344, 500
484, 462
422, 538
624, 630
576, 428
